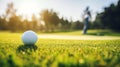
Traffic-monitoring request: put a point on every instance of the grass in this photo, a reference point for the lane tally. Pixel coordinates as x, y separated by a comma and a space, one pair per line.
58, 53
90, 32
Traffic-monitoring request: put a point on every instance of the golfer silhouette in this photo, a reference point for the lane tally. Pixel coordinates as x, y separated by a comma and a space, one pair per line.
86, 18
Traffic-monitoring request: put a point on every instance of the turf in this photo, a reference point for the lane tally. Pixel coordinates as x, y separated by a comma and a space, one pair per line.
58, 53
90, 32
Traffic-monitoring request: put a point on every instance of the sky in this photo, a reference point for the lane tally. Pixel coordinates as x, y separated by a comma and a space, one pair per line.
69, 9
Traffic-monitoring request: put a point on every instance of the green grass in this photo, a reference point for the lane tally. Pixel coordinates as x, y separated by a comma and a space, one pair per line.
58, 53
90, 32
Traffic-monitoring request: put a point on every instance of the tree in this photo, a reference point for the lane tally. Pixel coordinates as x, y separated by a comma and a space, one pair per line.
34, 23
14, 20
111, 17
97, 24
3, 24
65, 24
77, 25
51, 19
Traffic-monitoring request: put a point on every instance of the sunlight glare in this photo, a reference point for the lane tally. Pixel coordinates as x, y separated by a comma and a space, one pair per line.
28, 8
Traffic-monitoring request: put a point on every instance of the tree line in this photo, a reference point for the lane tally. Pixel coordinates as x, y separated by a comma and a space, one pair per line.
109, 18
12, 22
50, 21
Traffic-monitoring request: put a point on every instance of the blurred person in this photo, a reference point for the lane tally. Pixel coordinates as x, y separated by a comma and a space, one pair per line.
86, 19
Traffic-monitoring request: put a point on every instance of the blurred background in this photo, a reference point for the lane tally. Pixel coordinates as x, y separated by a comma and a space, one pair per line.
58, 15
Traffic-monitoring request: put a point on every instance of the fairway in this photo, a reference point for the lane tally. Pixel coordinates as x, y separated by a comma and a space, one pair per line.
59, 52
72, 37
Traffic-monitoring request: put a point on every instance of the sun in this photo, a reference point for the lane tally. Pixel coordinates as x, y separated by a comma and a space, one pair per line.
27, 8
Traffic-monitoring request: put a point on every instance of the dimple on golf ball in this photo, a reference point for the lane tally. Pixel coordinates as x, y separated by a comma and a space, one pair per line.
29, 38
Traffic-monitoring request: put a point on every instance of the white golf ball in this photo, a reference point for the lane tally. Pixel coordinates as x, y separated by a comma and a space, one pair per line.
29, 38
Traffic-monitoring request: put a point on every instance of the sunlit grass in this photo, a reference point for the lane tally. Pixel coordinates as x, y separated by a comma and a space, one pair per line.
90, 32
58, 53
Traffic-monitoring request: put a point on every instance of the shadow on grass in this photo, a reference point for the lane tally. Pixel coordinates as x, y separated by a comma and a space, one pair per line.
104, 33
96, 34
26, 49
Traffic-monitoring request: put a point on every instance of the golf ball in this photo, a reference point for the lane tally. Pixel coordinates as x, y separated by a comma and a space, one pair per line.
29, 38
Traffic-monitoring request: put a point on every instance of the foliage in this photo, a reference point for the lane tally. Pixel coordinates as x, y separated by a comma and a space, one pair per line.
110, 17
65, 25
77, 25
97, 24
13, 22
3, 24
50, 18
